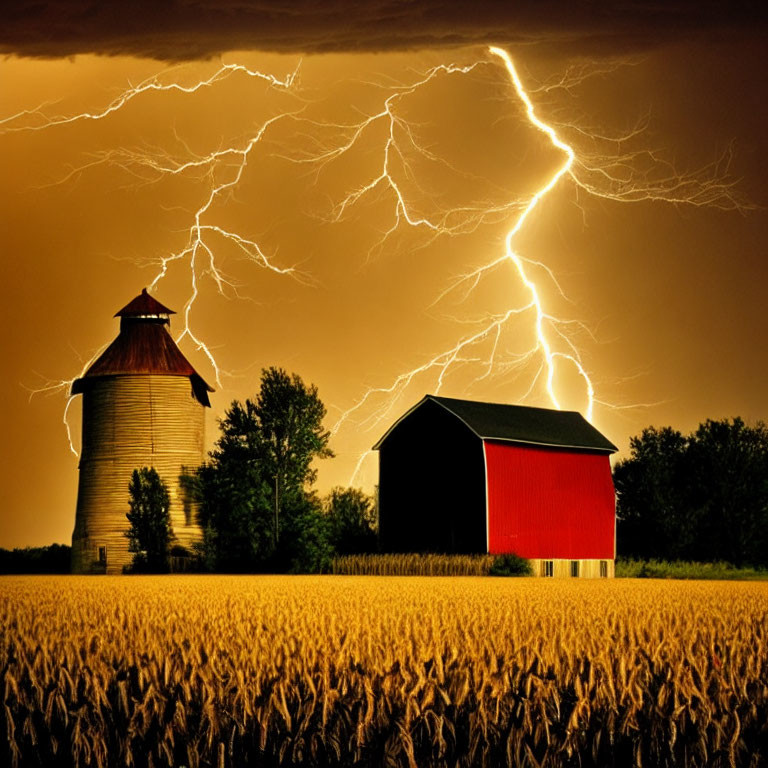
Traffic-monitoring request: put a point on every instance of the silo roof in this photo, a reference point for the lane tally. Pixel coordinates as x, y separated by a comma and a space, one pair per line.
520, 424
144, 305
144, 346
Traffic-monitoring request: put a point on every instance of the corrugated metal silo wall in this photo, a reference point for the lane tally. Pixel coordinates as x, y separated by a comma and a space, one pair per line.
129, 422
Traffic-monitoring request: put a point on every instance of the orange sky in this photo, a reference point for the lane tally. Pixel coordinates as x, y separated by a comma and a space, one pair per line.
671, 297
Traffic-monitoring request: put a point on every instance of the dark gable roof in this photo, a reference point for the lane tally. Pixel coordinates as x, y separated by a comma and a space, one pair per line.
520, 424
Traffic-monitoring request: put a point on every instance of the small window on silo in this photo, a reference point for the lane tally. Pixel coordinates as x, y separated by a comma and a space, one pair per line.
603, 569
548, 568
574, 568
102, 555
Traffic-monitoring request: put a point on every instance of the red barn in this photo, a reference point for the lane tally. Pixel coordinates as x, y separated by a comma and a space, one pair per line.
468, 477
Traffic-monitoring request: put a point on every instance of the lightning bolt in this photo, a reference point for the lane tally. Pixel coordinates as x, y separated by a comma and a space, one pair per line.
614, 176
42, 121
64, 386
198, 245
697, 189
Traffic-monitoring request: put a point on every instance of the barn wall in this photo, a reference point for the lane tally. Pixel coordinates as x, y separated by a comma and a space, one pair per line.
546, 503
129, 422
431, 485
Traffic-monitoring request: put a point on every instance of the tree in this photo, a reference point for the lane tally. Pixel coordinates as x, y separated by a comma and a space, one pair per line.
728, 463
233, 495
256, 484
150, 533
651, 498
352, 518
290, 420
698, 497
305, 544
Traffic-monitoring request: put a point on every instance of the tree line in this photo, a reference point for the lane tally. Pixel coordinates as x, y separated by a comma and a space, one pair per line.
701, 496
254, 495
54, 558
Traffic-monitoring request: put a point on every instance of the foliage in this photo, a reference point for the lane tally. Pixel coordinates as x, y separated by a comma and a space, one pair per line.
413, 564
254, 490
54, 558
234, 509
352, 521
292, 671
290, 421
628, 568
729, 491
650, 504
306, 546
698, 497
150, 533
510, 565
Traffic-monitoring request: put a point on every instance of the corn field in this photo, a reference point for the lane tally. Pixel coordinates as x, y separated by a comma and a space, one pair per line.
359, 671
412, 564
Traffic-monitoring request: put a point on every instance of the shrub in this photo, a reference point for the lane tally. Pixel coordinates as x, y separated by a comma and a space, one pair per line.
510, 565
628, 568
352, 520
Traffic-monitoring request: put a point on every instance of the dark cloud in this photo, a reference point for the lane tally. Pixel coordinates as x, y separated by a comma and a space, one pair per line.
188, 29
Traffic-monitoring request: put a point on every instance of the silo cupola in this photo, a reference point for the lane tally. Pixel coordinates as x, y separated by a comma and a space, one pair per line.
145, 307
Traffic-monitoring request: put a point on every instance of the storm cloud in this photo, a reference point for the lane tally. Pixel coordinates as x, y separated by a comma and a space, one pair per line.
192, 29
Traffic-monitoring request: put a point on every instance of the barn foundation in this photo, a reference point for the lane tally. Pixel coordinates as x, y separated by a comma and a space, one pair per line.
564, 568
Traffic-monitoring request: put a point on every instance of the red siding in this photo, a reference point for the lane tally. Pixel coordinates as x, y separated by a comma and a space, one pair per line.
549, 503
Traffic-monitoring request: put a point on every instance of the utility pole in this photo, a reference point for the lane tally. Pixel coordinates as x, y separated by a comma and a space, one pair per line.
277, 506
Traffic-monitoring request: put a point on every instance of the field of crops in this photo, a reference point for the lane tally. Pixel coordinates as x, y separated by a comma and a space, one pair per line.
412, 565
402, 671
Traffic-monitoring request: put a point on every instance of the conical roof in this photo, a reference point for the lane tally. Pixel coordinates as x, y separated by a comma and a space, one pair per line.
144, 346
142, 306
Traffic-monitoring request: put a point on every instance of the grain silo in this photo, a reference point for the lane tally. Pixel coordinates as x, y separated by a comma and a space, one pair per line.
143, 406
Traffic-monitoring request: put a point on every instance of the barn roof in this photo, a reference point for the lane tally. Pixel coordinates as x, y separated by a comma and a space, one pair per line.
144, 346
519, 424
